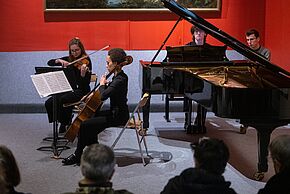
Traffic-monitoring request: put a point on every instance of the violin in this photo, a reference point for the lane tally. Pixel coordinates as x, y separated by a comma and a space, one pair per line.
84, 61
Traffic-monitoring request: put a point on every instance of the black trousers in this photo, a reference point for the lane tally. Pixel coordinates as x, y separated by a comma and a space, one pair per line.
89, 129
64, 114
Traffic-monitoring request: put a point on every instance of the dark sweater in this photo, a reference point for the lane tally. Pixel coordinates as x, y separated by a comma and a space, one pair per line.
198, 181
279, 183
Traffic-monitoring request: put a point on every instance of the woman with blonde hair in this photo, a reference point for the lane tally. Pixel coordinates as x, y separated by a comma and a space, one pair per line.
78, 75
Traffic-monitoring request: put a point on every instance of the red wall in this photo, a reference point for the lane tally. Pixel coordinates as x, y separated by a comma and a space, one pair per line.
278, 31
26, 27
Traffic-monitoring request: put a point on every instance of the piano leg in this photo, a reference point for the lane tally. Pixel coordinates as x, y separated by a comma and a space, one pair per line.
167, 108
263, 135
200, 118
264, 131
187, 108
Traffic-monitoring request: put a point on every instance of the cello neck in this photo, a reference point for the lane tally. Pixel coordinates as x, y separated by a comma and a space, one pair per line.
128, 60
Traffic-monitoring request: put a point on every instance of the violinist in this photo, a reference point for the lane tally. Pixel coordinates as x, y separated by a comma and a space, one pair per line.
78, 74
116, 115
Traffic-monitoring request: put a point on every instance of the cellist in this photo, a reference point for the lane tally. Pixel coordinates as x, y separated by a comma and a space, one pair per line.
116, 115
78, 75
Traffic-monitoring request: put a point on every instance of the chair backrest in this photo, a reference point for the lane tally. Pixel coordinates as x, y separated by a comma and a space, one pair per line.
94, 78
137, 122
144, 100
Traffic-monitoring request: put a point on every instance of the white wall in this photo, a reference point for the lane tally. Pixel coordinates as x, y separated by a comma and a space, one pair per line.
16, 87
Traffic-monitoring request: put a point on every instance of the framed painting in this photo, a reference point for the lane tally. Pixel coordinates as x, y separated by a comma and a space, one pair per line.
127, 5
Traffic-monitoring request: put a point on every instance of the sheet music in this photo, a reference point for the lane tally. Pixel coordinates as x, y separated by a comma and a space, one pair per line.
51, 83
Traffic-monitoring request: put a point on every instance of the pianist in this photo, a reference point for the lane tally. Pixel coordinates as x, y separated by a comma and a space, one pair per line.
253, 41
198, 38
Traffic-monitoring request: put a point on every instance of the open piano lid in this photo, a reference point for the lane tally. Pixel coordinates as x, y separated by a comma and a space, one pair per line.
210, 29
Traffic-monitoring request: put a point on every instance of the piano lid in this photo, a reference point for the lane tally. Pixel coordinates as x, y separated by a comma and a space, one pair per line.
210, 29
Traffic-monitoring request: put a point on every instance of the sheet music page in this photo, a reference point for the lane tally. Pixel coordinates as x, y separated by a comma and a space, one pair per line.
63, 82
40, 85
51, 83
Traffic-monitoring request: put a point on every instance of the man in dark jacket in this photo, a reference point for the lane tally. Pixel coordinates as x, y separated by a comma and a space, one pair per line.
211, 157
280, 153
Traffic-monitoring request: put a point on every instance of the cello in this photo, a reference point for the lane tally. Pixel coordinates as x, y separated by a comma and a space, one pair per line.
93, 103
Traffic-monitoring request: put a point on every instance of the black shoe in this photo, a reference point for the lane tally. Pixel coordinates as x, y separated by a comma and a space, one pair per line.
62, 128
72, 159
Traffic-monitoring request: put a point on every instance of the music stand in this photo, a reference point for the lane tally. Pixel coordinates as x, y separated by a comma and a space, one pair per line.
39, 70
55, 148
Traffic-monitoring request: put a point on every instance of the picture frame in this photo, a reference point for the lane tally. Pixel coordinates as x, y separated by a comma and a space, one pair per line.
126, 5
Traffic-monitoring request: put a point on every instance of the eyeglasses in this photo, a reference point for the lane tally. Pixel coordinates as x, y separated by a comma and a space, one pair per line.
75, 50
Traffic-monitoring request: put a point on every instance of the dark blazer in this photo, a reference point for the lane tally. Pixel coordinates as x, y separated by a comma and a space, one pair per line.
117, 92
279, 183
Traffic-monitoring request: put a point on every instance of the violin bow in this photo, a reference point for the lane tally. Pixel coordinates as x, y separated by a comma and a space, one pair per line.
128, 60
85, 97
75, 61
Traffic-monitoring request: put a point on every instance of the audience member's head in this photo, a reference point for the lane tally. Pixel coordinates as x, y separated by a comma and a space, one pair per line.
98, 163
9, 172
211, 155
280, 152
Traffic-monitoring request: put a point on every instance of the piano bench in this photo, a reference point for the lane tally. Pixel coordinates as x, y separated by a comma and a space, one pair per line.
168, 98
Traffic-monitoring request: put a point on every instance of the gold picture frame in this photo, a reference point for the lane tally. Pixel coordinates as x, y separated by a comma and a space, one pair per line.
126, 5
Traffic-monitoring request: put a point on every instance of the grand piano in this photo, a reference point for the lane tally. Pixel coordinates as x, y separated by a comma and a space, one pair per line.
256, 91
176, 84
